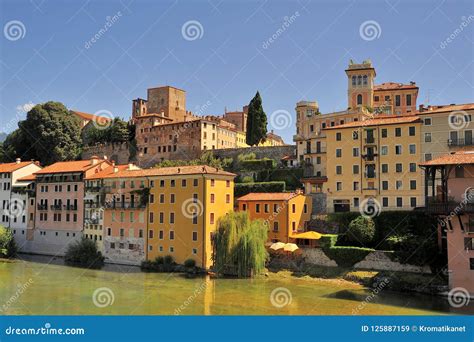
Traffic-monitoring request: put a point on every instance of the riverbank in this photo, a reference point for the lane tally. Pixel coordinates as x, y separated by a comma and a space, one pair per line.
432, 284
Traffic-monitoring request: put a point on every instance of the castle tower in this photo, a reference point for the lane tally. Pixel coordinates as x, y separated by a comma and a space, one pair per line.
167, 101
360, 84
138, 108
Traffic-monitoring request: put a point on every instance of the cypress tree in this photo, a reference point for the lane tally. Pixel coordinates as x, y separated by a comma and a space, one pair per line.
256, 122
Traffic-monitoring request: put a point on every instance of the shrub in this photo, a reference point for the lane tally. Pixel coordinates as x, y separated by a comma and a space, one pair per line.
342, 220
327, 240
346, 256
8, 248
361, 230
190, 263
257, 164
242, 189
159, 260
291, 177
168, 260
84, 253
247, 179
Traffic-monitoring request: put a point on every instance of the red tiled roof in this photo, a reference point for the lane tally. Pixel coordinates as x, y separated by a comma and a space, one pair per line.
107, 171
90, 117
268, 196
446, 108
31, 177
169, 171
394, 86
10, 167
379, 121
69, 166
144, 116
460, 157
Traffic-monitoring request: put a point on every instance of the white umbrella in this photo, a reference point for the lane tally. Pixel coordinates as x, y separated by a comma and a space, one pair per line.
277, 245
290, 247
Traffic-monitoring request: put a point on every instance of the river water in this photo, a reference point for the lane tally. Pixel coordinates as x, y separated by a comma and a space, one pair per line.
41, 286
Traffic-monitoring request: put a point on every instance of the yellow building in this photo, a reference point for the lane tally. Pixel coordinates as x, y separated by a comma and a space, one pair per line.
285, 213
374, 162
184, 207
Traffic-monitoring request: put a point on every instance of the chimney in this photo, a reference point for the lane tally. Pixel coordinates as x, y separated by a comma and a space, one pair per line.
115, 169
130, 166
94, 160
105, 157
18, 160
421, 107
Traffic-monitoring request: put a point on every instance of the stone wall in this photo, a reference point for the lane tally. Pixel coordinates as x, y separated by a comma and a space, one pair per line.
272, 152
118, 152
125, 255
377, 260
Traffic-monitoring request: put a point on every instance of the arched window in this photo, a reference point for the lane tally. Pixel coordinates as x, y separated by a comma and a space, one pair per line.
354, 80
359, 99
359, 80
365, 79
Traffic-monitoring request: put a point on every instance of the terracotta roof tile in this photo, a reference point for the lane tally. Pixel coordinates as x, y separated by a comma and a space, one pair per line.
10, 167
108, 171
169, 171
69, 166
391, 120
31, 177
445, 109
394, 86
268, 196
90, 117
460, 157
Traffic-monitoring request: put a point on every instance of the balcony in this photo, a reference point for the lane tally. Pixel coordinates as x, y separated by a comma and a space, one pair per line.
42, 207
69, 207
124, 205
370, 140
370, 175
370, 157
56, 207
93, 188
92, 205
460, 142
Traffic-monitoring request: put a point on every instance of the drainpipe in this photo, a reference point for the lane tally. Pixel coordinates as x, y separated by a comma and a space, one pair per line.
204, 214
147, 212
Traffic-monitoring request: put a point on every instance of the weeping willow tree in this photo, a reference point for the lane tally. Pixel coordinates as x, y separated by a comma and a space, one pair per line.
239, 245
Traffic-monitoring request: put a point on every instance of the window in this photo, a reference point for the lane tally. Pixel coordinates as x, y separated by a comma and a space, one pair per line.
384, 150
359, 99
399, 202
257, 207
355, 151
411, 131
408, 99
398, 149
398, 167
384, 132
398, 132
376, 98
171, 234
171, 218
213, 182
338, 136
211, 219
427, 122
428, 156
162, 217
384, 168
150, 234
338, 170
413, 185
355, 169
384, 201
355, 186
412, 167
173, 183
356, 202
227, 198
459, 171
152, 198
384, 185
293, 208
213, 198
172, 198
151, 217
338, 186
412, 149
427, 137
338, 153
355, 135
195, 236
195, 182
244, 207
398, 185
227, 183
397, 100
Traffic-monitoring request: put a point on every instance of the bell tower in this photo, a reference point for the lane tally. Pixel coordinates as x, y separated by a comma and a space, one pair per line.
360, 84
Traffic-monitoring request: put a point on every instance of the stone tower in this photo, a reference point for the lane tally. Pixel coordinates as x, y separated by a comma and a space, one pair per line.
167, 101
360, 84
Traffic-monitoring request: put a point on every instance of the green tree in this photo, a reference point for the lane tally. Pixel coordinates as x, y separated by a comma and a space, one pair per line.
361, 230
49, 134
240, 245
207, 158
8, 247
256, 122
84, 253
116, 132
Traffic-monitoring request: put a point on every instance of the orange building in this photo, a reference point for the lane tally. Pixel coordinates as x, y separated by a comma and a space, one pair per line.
285, 213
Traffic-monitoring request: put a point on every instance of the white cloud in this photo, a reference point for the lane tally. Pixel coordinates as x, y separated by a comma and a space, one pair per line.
24, 108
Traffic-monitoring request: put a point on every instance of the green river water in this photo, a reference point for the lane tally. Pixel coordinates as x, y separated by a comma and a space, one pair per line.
39, 286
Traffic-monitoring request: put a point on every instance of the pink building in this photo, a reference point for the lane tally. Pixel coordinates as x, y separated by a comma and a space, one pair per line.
59, 213
450, 194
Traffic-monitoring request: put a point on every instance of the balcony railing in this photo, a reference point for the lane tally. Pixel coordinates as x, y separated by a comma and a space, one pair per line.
92, 205
93, 188
56, 207
70, 207
369, 140
460, 142
124, 205
42, 207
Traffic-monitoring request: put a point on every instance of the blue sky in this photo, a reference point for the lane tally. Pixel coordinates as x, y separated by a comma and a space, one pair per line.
227, 62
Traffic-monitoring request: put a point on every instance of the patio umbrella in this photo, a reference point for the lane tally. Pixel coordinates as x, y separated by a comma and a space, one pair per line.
290, 247
277, 245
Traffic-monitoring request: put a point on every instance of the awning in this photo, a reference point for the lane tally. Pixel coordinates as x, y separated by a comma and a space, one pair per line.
307, 235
